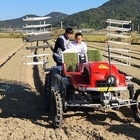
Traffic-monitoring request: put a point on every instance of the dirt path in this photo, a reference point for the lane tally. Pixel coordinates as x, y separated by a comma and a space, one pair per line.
23, 117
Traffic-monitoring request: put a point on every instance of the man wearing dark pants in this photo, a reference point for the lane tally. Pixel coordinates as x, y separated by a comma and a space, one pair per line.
61, 45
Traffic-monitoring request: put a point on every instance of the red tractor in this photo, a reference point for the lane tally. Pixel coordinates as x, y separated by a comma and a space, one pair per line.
91, 84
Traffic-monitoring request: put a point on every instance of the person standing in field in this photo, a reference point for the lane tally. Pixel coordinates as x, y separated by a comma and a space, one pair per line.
61, 45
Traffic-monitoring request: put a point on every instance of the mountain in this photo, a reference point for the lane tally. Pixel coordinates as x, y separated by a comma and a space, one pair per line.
91, 18
56, 16
18, 22
96, 17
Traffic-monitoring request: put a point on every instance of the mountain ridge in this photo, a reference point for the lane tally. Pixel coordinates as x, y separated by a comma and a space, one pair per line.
95, 17
18, 22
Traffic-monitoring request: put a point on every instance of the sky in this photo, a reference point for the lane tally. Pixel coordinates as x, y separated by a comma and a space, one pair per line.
11, 9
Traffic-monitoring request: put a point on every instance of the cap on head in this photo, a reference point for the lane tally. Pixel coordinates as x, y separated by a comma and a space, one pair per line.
69, 30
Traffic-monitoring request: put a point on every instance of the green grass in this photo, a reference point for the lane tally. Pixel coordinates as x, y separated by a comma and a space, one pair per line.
94, 55
11, 35
89, 37
95, 38
71, 61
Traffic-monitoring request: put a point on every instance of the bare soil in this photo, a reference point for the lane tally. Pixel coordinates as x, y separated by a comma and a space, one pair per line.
22, 113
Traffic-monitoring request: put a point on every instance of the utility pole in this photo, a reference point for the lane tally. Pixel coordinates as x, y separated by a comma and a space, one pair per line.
61, 25
132, 27
51, 27
138, 29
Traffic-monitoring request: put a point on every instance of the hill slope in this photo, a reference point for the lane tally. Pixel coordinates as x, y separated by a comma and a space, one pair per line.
96, 17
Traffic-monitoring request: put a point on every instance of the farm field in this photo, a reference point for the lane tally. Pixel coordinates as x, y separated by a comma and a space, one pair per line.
22, 113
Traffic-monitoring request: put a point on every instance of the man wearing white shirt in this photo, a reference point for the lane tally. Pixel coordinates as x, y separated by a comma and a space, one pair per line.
79, 46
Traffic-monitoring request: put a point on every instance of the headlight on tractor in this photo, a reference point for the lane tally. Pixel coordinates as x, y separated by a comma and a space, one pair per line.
111, 80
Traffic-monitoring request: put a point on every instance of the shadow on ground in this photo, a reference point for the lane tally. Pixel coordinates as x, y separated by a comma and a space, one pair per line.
18, 100
116, 123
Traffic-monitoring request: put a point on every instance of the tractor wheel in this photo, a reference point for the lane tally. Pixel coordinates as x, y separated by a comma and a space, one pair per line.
56, 109
47, 91
136, 108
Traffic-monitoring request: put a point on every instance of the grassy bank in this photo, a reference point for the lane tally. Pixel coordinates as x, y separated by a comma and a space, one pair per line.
90, 37
11, 35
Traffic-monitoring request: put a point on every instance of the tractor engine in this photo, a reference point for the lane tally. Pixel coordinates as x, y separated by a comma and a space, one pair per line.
101, 74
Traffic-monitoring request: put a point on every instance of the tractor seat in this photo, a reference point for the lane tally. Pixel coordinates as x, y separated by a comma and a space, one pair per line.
77, 79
